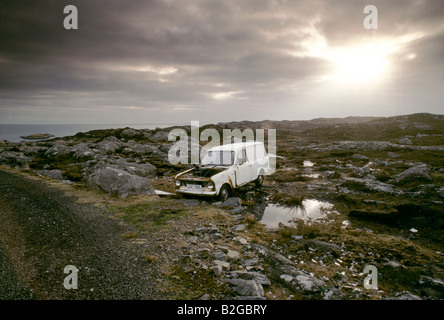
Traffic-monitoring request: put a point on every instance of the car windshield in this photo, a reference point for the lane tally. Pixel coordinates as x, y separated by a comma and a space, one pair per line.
218, 158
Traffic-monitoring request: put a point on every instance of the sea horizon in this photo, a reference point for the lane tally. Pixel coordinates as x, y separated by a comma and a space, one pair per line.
13, 132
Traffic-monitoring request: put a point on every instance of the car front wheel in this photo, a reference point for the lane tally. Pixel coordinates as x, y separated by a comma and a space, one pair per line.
259, 181
224, 193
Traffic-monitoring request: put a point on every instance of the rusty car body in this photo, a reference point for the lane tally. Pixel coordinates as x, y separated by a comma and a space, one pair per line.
225, 168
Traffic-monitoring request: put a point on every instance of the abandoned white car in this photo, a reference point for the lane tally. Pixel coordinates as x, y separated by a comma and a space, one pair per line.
225, 168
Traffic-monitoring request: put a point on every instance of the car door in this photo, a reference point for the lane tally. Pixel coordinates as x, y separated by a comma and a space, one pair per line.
244, 169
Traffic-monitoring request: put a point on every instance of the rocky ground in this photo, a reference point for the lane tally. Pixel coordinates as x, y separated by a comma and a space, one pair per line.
383, 176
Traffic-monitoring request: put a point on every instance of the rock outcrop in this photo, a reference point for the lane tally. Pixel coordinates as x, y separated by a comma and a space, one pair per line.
120, 183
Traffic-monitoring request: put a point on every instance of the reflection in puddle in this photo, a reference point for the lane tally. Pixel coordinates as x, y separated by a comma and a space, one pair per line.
310, 210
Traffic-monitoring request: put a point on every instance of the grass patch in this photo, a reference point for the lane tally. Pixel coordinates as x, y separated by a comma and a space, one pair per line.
291, 199
146, 215
192, 285
130, 235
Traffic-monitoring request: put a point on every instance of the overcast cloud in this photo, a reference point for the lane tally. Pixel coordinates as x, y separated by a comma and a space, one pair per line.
165, 61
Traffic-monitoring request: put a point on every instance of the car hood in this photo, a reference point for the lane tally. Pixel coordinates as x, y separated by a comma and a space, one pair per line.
202, 172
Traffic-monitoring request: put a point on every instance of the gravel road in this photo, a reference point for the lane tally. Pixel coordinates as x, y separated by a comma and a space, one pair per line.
42, 230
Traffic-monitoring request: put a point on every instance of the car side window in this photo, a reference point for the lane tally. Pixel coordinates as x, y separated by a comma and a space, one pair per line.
244, 157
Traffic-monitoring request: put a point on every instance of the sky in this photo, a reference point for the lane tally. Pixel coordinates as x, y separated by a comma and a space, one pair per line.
165, 61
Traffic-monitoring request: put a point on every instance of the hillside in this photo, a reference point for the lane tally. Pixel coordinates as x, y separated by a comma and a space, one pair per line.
381, 180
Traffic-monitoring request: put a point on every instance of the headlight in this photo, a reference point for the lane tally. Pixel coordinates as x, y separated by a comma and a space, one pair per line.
177, 183
210, 185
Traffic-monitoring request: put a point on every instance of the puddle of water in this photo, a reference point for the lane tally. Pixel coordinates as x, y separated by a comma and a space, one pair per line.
310, 210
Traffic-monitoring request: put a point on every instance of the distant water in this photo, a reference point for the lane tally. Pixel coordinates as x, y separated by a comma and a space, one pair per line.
12, 132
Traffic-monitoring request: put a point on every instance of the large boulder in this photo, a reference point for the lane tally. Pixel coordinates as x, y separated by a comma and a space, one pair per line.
132, 147
129, 133
83, 151
107, 146
12, 158
140, 169
231, 202
58, 148
419, 172
119, 183
160, 136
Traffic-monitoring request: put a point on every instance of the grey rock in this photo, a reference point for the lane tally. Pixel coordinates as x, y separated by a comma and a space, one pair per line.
160, 136
217, 269
223, 264
241, 240
366, 145
219, 255
113, 139
13, 158
119, 182
392, 155
419, 172
251, 275
140, 169
58, 148
82, 150
405, 140
233, 255
375, 185
286, 277
324, 246
247, 287
405, 295
53, 174
129, 133
277, 257
333, 294
141, 148
295, 278
251, 262
431, 281
31, 150
107, 146
236, 210
250, 298
328, 174
239, 227
206, 296
309, 283
393, 264
359, 157
231, 202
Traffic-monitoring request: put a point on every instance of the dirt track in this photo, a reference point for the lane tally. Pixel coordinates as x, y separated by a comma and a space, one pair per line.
42, 230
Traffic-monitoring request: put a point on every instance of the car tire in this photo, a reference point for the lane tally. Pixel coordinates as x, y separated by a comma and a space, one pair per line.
259, 180
224, 193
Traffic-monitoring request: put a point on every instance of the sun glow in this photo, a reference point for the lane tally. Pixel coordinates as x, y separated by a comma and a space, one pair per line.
370, 60
360, 64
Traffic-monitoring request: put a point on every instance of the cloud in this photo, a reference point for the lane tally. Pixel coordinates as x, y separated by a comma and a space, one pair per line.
210, 56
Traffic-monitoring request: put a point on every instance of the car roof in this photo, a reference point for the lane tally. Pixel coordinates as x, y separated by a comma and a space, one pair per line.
236, 146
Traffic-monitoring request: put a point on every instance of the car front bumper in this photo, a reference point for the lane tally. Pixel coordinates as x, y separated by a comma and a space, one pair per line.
202, 192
